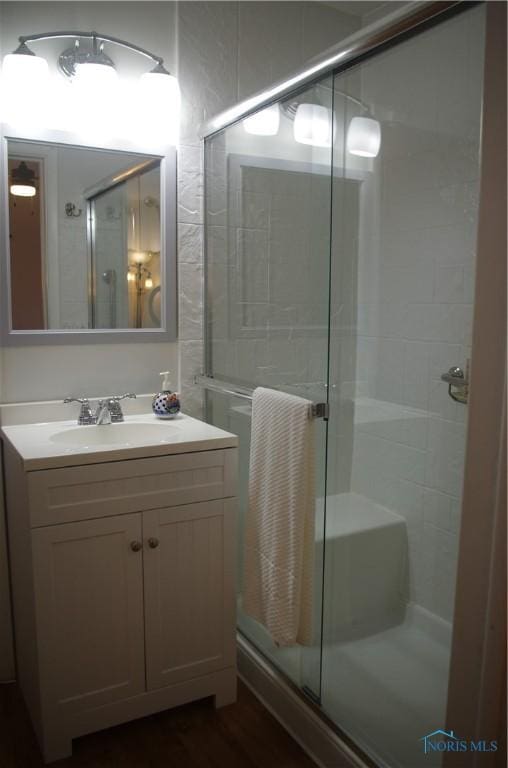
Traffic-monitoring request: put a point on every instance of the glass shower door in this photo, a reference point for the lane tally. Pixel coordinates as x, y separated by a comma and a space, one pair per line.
267, 288
404, 217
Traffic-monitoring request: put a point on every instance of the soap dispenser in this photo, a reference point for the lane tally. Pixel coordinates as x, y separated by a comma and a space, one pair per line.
166, 404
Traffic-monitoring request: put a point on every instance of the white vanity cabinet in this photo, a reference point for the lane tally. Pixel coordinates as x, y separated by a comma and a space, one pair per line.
123, 588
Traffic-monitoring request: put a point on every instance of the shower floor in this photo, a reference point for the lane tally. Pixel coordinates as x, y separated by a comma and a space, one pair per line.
386, 685
388, 690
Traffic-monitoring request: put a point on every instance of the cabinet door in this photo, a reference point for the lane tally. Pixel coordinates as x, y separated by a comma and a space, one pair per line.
189, 591
89, 604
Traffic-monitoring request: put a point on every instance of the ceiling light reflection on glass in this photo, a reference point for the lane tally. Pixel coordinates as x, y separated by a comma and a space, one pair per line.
263, 123
364, 137
313, 125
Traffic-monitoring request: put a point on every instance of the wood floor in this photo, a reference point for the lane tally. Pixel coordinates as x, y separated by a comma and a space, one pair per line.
243, 735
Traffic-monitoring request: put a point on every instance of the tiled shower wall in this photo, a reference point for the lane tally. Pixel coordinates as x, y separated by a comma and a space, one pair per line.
227, 51
269, 285
415, 294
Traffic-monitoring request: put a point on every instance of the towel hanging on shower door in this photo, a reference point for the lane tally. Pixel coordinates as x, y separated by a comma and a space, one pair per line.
279, 526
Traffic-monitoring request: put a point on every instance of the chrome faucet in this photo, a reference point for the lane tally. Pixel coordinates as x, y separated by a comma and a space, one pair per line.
102, 413
108, 411
85, 412
115, 408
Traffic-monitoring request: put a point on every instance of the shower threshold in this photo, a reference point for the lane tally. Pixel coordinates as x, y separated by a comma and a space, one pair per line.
300, 716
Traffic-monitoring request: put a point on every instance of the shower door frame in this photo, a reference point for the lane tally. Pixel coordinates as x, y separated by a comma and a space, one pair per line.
476, 687
473, 696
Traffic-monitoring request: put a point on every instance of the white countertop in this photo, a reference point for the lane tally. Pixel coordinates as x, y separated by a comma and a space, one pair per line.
49, 444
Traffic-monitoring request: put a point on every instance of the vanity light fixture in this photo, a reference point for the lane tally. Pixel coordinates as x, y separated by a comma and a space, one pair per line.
138, 274
23, 181
140, 257
88, 67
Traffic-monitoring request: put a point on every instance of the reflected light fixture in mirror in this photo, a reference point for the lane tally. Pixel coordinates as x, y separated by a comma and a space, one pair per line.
313, 125
23, 181
364, 137
263, 123
141, 257
138, 273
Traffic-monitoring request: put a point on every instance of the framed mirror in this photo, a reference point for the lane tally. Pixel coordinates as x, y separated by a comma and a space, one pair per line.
90, 247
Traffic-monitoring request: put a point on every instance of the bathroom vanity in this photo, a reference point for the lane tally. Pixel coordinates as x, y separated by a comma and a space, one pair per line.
122, 565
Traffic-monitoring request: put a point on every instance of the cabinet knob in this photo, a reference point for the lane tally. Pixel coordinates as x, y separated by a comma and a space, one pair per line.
136, 546
153, 543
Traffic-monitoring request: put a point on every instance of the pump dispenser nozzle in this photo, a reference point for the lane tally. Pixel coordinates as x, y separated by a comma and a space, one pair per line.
166, 383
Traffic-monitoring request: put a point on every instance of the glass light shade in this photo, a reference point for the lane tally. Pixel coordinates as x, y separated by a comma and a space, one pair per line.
313, 125
130, 277
148, 282
264, 123
161, 99
364, 137
24, 80
99, 77
140, 257
94, 96
21, 69
23, 190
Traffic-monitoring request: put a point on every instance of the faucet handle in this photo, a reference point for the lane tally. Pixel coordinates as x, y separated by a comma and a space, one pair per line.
85, 412
122, 397
115, 408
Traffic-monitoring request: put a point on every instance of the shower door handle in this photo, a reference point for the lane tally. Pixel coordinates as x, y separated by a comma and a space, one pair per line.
458, 383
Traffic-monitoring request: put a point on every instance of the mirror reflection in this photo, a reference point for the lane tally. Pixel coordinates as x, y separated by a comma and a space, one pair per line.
85, 238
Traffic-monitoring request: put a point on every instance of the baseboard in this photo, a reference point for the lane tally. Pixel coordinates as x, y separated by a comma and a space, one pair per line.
313, 734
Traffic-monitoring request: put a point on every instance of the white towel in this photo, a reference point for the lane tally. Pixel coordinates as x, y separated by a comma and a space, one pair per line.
279, 526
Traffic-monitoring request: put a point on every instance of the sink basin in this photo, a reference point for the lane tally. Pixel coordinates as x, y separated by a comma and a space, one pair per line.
123, 434
51, 444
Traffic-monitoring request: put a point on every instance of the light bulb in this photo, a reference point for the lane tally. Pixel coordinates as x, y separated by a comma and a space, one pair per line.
92, 75
313, 125
148, 282
24, 80
95, 99
23, 190
363, 137
160, 95
264, 123
141, 257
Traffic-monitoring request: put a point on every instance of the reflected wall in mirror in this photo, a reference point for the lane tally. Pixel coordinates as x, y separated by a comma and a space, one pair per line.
85, 238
